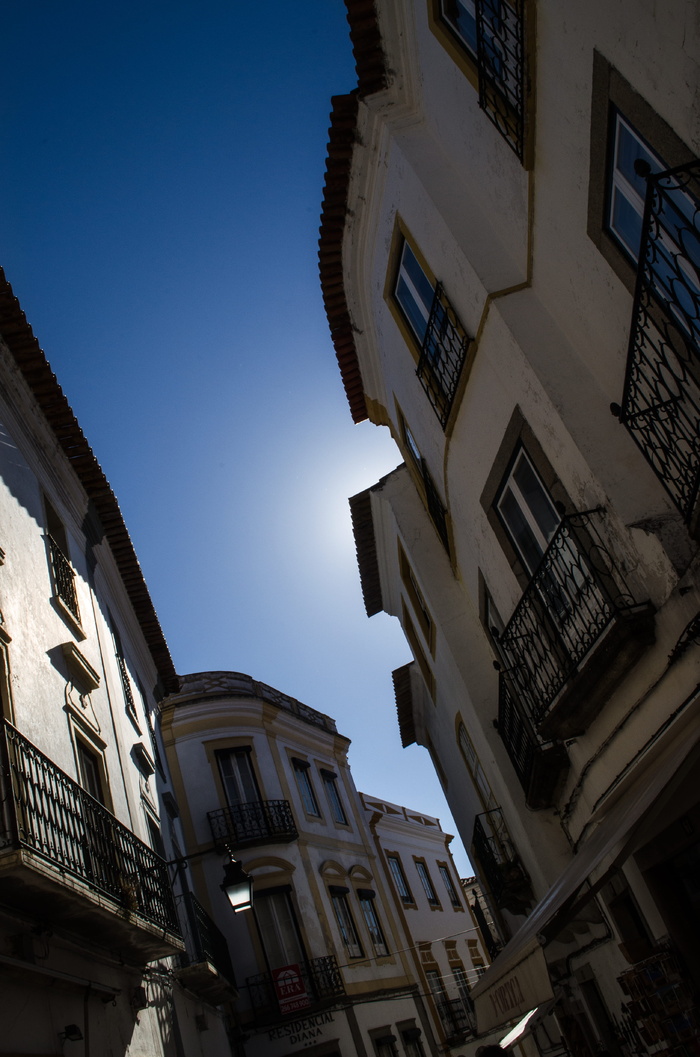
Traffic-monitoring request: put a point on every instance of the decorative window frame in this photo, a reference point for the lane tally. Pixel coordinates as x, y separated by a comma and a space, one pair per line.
408, 900
301, 766
97, 748
456, 902
426, 882
329, 780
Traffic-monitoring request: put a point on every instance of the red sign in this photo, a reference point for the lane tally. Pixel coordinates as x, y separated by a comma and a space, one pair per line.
290, 988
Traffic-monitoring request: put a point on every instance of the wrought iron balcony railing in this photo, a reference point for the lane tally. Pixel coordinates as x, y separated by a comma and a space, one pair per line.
207, 942
63, 578
46, 812
661, 399
457, 1017
322, 979
259, 822
442, 356
503, 872
500, 34
540, 765
575, 595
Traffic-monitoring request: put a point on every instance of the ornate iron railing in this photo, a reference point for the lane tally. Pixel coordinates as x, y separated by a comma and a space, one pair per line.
63, 578
126, 688
50, 814
258, 822
575, 593
500, 35
496, 853
661, 399
322, 979
540, 765
457, 1016
208, 943
436, 510
442, 356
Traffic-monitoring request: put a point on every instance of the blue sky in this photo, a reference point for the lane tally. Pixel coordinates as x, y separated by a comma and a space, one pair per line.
161, 184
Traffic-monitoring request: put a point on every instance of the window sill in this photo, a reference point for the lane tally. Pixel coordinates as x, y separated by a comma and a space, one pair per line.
64, 612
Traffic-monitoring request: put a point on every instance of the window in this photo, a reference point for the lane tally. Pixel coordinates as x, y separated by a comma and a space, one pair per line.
306, 789
430, 326
451, 890
385, 1044
417, 650
526, 511
416, 596
427, 883
366, 897
429, 492
237, 776
278, 928
400, 879
631, 160
90, 771
330, 784
346, 925
412, 1044
61, 570
475, 769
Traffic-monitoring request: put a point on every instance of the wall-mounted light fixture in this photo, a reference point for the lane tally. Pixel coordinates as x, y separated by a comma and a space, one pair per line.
71, 1033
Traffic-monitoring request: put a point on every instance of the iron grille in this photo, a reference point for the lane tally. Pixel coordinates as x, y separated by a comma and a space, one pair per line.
457, 1016
63, 578
497, 855
322, 979
661, 399
208, 942
442, 356
258, 822
575, 593
50, 814
436, 510
126, 687
519, 738
500, 35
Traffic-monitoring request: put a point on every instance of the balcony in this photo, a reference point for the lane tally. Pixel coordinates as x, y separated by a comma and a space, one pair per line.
500, 33
259, 822
661, 399
442, 356
457, 1018
502, 870
206, 968
323, 983
63, 579
540, 765
575, 632
64, 856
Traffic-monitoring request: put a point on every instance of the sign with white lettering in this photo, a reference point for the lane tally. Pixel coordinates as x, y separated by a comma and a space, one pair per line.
290, 988
301, 1031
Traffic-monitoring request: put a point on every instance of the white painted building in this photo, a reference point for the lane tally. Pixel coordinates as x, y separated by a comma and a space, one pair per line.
483, 236
91, 947
330, 958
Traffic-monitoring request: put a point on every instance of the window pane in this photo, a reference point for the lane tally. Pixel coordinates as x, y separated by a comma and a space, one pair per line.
373, 926
334, 800
306, 790
347, 926
238, 777
427, 883
400, 880
277, 927
536, 497
414, 292
459, 14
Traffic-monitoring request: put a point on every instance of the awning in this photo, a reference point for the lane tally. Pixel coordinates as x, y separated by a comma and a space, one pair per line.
518, 979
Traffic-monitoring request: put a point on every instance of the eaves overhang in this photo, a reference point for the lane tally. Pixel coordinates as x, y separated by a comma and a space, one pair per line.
372, 76
37, 373
366, 547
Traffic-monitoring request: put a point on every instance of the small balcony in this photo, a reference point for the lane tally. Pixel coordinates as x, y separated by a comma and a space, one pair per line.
206, 967
259, 822
457, 1018
541, 766
64, 856
443, 354
63, 579
500, 32
661, 399
323, 985
575, 632
502, 870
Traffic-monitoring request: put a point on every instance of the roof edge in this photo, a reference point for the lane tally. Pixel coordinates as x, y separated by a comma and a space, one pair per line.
366, 548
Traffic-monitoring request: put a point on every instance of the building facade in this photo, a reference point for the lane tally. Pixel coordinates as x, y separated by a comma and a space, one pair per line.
329, 961
509, 252
91, 935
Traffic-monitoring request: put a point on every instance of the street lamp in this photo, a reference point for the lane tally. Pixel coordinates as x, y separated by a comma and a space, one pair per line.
238, 886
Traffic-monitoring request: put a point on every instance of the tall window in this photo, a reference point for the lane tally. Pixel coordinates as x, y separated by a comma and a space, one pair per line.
61, 569
425, 880
631, 160
90, 771
414, 292
527, 511
306, 789
237, 776
346, 925
475, 769
451, 890
366, 897
278, 928
330, 784
399, 879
